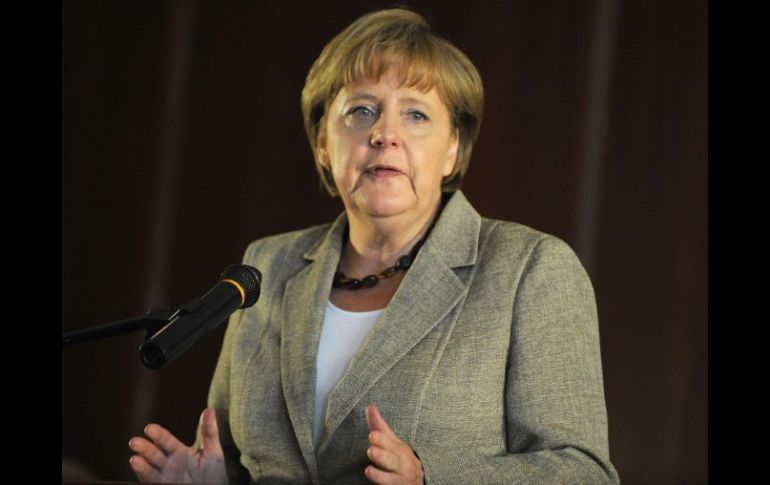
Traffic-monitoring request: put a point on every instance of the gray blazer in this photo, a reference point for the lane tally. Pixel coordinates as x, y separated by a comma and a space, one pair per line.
486, 361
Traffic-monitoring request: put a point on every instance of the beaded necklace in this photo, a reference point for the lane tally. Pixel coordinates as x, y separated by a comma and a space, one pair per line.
403, 264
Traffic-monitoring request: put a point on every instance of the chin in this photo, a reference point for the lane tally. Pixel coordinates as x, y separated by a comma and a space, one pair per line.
386, 206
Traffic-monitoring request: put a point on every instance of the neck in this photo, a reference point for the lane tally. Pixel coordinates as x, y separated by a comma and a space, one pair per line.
377, 243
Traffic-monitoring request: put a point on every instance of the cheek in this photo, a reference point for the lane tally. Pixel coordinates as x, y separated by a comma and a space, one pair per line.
344, 164
448, 166
344, 148
337, 153
437, 165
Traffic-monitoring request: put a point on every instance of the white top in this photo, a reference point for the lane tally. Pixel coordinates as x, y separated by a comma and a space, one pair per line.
342, 334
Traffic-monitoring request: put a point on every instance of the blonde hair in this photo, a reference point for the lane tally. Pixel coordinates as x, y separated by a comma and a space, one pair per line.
367, 48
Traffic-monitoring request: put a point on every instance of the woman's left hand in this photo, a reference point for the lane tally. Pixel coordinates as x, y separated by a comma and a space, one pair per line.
394, 460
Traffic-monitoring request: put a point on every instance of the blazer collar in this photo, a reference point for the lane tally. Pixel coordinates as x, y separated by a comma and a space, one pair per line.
303, 307
431, 281
455, 236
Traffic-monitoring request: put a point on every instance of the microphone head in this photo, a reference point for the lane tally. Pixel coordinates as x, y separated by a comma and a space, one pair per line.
248, 277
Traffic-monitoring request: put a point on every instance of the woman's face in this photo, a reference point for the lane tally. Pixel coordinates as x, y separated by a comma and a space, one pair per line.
388, 147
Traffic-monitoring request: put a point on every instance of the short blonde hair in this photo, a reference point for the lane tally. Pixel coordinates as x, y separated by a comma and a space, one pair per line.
396, 37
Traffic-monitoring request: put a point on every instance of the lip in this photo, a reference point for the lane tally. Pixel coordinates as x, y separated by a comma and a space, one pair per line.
382, 170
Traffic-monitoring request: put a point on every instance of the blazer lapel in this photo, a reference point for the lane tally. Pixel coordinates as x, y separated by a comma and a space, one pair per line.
303, 307
427, 294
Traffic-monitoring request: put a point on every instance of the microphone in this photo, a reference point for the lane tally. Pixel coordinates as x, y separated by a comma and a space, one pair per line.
238, 287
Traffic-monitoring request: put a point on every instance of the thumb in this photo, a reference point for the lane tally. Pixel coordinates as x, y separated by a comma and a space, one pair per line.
210, 433
375, 421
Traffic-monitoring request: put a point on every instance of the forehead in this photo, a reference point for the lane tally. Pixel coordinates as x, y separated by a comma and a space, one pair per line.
389, 84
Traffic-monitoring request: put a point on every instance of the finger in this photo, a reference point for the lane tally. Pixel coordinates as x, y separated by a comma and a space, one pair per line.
376, 475
148, 451
389, 443
163, 439
143, 470
376, 422
210, 433
383, 459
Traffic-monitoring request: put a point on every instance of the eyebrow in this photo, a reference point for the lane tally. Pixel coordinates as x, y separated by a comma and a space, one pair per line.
373, 98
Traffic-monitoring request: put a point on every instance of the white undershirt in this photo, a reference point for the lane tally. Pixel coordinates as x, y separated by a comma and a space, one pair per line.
342, 334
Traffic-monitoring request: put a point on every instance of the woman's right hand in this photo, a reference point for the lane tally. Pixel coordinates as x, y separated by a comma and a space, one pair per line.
165, 459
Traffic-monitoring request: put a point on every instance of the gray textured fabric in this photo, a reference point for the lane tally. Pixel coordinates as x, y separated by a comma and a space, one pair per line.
486, 362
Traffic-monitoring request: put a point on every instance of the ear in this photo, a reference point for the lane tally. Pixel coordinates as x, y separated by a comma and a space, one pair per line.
321, 151
451, 159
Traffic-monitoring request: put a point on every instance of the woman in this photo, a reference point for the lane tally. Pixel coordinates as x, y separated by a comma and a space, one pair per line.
411, 340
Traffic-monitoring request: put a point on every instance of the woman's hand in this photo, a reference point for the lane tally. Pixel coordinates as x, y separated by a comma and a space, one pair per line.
165, 459
395, 461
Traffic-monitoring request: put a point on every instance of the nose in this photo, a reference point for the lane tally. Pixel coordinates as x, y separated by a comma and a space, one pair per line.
385, 132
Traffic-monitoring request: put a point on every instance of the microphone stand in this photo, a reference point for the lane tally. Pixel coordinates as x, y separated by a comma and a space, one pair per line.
152, 322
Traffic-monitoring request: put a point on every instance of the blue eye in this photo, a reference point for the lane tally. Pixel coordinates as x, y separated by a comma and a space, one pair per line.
363, 111
417, 116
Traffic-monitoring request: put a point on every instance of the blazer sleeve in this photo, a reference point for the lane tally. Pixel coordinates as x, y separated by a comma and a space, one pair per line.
556, 418
219, 399
219, 396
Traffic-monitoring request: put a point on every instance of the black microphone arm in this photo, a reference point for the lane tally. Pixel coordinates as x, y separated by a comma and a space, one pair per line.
173, 330
151, 321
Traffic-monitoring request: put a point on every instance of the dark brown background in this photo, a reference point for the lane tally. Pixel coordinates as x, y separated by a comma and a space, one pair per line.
182, 141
